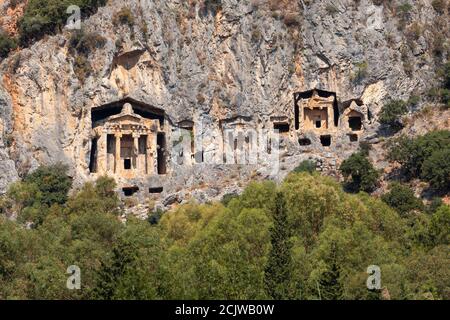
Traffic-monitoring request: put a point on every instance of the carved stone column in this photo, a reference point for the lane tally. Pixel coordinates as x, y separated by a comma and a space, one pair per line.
136, 151
101, 153
150, 154
117, 162
330, 115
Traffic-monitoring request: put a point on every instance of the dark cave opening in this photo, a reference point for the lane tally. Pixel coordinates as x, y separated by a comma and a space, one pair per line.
130, 191
325, 140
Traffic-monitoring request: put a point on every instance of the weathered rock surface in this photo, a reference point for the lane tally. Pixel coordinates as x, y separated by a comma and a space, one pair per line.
245, 60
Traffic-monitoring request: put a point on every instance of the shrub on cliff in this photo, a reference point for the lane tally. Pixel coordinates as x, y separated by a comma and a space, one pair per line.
53, 183
306, 166
391, 113
212, 5
6, 44
32, 198
43, 17
436, 170
81, 45
402, 199
123, 16
411, 153
359, 173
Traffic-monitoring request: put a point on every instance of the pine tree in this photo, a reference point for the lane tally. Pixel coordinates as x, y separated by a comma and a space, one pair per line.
112, 271
330, 287
277, 272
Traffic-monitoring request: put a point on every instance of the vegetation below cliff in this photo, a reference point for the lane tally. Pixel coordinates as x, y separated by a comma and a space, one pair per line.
212, 62
303, 239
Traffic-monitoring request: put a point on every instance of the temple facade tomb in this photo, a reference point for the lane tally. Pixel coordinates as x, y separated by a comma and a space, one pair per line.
320, 117
128, 145
315, 110
239, 141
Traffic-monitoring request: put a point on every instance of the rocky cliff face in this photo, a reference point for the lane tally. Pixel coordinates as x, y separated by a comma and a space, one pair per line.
210, 64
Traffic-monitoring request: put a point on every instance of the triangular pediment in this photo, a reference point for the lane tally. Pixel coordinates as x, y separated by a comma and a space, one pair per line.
129, 118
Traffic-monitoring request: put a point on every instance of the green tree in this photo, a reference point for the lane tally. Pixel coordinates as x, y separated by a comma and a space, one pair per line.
412, 153
436, 170
278, 269
309, 201
131, 271
428, 274
53, 183
329, 282
440, 226
6, 44
360, 173
391, 112
43, 17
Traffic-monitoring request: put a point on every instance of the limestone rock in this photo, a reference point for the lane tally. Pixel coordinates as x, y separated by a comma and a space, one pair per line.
209, 72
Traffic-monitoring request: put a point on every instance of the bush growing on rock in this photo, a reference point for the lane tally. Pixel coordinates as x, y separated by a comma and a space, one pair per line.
53, 182
6, 44
81, 45
359, 173
306, 166
413, 153
83, 42
361, 71
391, 113
440, 225
436, 170
402, 199
445, 91
124, 16
439, 6
43, 17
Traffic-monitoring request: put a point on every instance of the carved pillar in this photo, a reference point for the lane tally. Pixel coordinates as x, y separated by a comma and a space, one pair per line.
101, 153
330, 114
136, 151
150, 154
302, 117
117, 162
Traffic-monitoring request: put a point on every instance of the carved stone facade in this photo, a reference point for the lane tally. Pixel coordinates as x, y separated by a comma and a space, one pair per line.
128, 146
148, 154
318, 114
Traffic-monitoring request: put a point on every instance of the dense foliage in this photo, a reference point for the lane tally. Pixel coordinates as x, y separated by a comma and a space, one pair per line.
6, 44
402, 199
303, 239
306, 166
43, 17
359, 172
391, 113
425, 157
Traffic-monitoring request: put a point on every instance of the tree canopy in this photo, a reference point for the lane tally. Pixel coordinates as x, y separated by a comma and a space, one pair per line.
303, 239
